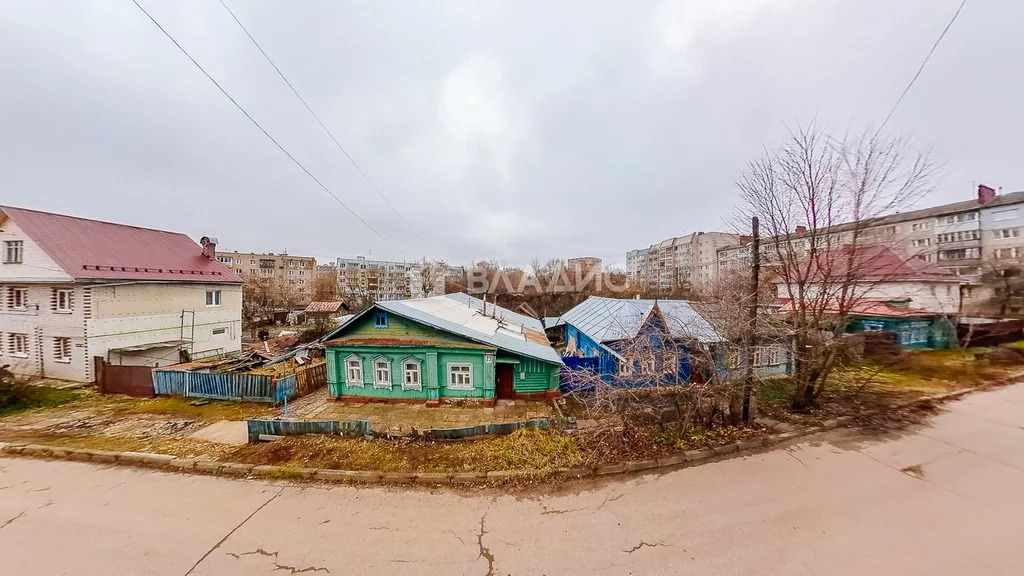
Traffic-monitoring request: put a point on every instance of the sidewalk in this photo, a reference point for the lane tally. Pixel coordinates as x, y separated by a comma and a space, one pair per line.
401, 418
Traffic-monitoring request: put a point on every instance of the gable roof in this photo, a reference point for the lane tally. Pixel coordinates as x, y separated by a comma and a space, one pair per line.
610, 319
875, 263
95, 250
462, 314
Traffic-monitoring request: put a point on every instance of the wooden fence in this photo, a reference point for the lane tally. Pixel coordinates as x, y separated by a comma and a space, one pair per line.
248, 387
309, 379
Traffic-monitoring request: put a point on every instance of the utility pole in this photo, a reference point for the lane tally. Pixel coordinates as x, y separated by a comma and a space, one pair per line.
755, 271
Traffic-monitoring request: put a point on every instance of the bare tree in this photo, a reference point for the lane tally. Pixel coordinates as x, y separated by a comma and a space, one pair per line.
820, 199
325, 286
261, 297
432, 276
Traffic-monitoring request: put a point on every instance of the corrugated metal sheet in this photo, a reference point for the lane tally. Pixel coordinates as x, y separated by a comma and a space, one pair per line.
610, 319
328, 307
104, 250
462, 314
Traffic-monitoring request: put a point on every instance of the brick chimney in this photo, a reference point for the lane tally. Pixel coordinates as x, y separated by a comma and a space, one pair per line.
800, 230
986, 194
209, 247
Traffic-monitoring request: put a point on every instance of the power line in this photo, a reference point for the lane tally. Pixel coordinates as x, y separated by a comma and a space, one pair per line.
317, 118
921, 68
265, 133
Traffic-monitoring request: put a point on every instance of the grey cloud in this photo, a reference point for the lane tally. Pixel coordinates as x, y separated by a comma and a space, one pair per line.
500, 130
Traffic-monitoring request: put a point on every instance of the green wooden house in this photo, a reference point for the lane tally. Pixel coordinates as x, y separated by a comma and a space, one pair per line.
443, 347
914, 328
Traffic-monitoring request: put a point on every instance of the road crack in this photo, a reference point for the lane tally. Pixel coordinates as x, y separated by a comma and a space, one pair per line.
485, 552
11, 521
259, 551
610, 499
643, 544
228, 535
294, 570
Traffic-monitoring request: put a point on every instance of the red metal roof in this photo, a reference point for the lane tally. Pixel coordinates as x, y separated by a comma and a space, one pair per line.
95, 250
875, 263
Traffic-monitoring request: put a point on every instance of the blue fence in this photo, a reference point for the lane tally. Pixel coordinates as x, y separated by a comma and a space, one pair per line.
248, 387
285, 389
293, 427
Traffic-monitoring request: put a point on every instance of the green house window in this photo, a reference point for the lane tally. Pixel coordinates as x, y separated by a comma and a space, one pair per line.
460, 376
382, 373
354, 370
380, 320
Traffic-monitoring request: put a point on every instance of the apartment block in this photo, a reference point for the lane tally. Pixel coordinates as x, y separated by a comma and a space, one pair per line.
379, 279
686, 260
295, 272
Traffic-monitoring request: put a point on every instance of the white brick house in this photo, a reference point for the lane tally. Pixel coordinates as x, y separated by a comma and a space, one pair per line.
73, 289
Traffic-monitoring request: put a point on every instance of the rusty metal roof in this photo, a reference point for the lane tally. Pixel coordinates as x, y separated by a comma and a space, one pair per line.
326, 307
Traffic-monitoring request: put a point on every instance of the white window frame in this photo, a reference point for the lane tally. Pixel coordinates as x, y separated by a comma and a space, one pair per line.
14, 251
354, 363
14, 299
212, 298
380, 364
411, 367
62, 350
65, 306
625, 367
16, 350
219, 331
468, 375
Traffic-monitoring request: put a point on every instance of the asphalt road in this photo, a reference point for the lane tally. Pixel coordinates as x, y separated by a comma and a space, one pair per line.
947, 498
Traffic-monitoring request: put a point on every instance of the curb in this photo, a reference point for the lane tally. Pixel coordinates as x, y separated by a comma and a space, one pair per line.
674, 461
234, 469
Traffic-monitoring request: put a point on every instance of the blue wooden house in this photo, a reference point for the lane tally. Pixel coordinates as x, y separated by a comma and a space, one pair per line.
632, 343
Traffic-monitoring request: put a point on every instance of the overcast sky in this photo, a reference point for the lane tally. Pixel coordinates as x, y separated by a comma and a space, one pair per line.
503, 131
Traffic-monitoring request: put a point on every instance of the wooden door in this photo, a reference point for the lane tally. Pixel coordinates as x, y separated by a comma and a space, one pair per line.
505, 374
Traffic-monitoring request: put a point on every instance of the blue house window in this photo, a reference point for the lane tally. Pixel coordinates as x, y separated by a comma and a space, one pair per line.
380, 320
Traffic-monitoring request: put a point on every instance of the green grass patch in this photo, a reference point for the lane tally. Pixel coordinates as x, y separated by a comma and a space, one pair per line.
33, 397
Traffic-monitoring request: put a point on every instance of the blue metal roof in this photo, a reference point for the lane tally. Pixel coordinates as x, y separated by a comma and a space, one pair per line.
610, 319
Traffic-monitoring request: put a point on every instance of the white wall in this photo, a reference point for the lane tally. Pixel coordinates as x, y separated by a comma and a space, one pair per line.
939, 297
36, 265
42, 324
134, 314
116, 316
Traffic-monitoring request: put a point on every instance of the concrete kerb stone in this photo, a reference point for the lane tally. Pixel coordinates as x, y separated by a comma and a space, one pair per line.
468, 477
182, 463
364, 476
145, 458
610, 469
236, 469
433, 478
398, 477
208, 466
641, 465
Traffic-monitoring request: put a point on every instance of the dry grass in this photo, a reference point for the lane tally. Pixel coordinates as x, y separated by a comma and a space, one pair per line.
525, 449
877, 385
